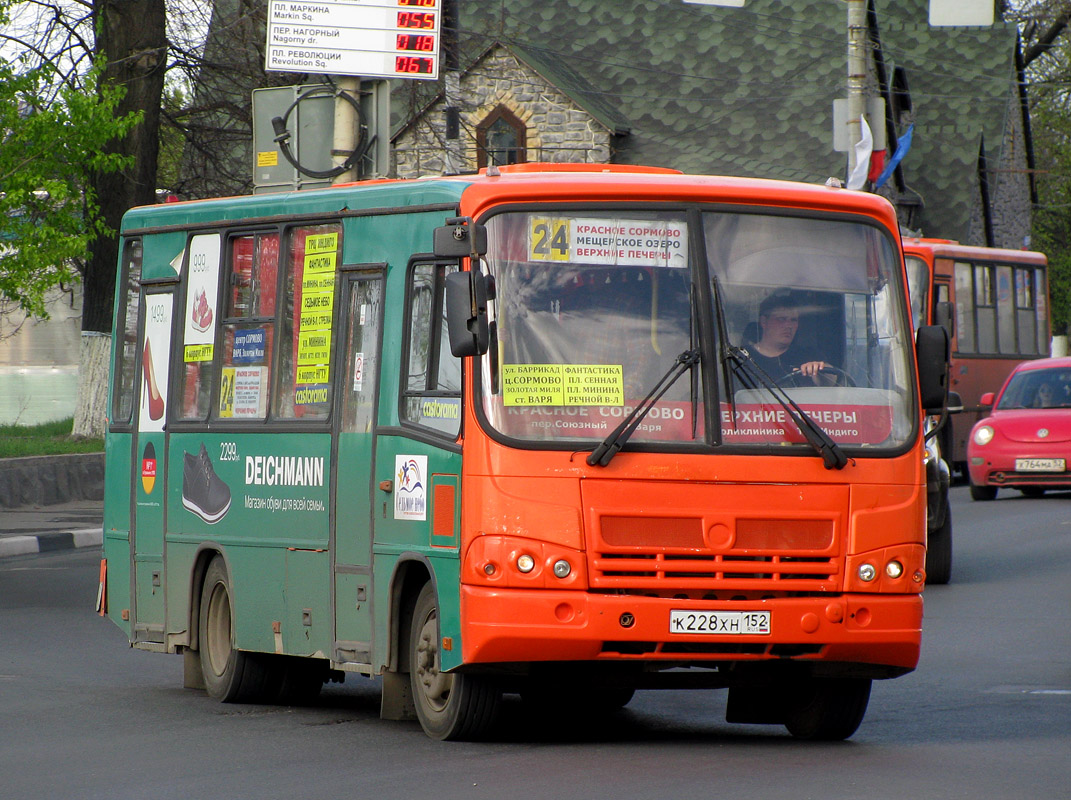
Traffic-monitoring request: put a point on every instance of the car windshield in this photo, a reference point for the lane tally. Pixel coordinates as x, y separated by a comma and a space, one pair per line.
593, 308
1037, 388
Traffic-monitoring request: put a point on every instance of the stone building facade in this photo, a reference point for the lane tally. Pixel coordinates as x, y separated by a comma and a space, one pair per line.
541, 122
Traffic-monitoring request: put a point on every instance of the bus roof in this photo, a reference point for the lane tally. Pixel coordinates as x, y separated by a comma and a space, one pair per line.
530, 182
946, 248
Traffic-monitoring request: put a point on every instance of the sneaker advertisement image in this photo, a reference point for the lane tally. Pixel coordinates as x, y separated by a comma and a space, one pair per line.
203, 492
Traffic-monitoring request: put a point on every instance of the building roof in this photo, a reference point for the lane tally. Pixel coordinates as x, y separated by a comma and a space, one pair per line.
749, 91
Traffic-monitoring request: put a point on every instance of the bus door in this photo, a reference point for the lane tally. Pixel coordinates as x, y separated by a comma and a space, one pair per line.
353, 486
149, 474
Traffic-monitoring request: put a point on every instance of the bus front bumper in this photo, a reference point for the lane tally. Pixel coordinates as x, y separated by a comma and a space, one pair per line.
524, 625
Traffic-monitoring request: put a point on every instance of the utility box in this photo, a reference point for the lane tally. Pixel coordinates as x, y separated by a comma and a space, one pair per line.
308, 112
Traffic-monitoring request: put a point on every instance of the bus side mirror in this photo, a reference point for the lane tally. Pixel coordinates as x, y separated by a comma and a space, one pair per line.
944, 314
459, 237
955, 403
931, 352
466, 313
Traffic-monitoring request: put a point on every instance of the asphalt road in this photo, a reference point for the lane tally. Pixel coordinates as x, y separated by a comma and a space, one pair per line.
986, 715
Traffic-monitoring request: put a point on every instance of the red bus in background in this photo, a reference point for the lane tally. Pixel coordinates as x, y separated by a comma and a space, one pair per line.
995, 304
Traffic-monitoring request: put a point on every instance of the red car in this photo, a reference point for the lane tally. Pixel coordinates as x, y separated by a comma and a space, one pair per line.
1025, 442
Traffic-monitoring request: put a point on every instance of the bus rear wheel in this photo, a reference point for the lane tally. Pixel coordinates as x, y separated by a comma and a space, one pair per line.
449, 706
827, 709
230, 675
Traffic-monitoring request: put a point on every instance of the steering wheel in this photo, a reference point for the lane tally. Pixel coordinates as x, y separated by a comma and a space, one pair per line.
798, 380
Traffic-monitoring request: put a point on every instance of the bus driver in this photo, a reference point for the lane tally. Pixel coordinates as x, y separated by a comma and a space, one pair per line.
779, 319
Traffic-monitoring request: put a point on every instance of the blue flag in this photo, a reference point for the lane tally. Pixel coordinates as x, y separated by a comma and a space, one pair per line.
903, 144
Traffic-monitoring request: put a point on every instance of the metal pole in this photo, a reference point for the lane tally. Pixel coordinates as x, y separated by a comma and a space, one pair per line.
452, 86
346, 126
856, 75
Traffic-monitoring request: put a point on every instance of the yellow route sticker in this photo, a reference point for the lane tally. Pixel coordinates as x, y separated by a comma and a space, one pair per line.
321, 243
563, 385
197, 352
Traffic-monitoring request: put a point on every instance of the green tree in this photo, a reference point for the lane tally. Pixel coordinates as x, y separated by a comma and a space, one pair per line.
50, 142
1047, 62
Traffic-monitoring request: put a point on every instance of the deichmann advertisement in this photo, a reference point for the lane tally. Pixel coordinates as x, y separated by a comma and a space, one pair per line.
280, 480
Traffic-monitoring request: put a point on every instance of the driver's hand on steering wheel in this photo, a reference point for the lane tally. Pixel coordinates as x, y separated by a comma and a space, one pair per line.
819, 372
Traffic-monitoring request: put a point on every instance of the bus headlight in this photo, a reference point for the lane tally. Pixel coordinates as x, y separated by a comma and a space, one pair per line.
562, 568
525, 563
983, 435
894, 569
867, 572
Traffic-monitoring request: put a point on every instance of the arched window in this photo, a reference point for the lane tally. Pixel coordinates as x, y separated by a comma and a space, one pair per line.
500, 139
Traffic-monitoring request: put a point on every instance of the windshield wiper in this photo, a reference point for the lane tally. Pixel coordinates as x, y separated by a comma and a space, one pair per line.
723, 350
752, 376
612, 444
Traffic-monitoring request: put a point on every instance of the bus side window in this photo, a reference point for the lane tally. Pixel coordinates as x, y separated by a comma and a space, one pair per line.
965, 340
125, 353
1040, 295
1025, 314
431, 394
307, 325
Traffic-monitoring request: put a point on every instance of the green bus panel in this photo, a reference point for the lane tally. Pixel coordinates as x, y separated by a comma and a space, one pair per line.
307, 628
149, 594
117, 552
353, 603
405, 527
258, 592
178, 579
117, 448
269, 490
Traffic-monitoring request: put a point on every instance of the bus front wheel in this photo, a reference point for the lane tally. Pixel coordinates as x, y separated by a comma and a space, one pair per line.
230, 675
827, 709
449, 706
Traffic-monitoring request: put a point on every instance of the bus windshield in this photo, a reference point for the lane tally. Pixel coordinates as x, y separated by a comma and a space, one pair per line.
592, 308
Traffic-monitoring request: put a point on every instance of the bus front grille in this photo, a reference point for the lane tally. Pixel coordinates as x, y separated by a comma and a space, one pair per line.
727, 572
663, 556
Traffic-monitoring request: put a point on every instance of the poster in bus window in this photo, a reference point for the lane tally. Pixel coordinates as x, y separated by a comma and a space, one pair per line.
201, 290
154, 357
243, 392
316, 319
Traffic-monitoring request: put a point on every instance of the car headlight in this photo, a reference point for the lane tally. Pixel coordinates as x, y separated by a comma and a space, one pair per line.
983, 435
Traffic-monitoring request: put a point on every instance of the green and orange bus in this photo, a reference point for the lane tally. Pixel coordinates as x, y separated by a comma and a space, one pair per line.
514, 432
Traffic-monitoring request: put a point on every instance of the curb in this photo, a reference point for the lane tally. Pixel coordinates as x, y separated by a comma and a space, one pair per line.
47, 480
50, 542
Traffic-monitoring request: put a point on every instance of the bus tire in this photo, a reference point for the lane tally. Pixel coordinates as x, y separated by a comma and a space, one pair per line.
939, 551
827, 709
449, 706
230, 675
983, 492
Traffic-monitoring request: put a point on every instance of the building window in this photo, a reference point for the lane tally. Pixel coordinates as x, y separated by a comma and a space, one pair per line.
500, 139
